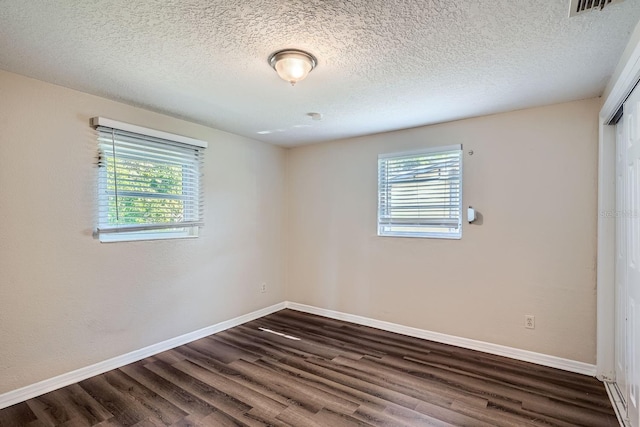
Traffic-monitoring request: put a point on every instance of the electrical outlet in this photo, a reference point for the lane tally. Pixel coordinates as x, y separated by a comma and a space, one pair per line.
263, 287
529, 321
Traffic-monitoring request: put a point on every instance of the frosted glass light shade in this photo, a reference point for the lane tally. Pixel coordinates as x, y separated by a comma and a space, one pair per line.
292, 65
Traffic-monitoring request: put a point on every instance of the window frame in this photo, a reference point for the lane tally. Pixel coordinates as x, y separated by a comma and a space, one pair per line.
108, 233
385, 229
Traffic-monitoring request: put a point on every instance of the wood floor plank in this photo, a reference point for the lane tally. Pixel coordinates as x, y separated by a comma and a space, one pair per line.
151, 422
377, 386
49, 409
413, 418
326, 417
381, 418
329, 399
299, 417
317, 345
496, 390
162, 409
126, 411
332, 374
572, 413
374, 346
178, 396
251, 398
293, 391
229, 405
17, 415
76, 422
111, 422
223, 352
239, 338
327, 384
85, 409
234, 375
215, 419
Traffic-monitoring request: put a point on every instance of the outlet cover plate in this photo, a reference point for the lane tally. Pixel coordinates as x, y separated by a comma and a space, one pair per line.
529, 321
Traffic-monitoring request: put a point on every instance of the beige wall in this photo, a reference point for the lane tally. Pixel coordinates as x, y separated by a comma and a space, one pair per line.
532, 177
68, 301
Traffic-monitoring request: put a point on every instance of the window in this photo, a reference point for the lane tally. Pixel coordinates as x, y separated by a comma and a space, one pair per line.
149, 183
420, 193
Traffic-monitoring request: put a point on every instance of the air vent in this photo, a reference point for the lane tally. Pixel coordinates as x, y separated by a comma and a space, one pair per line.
580, 6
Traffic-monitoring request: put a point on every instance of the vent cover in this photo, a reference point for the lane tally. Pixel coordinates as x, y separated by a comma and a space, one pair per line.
580, 6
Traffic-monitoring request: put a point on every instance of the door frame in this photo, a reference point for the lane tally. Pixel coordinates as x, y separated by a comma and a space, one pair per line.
624, 79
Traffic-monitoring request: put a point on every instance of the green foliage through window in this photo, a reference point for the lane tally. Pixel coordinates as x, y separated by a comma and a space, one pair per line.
147, 185
146, 192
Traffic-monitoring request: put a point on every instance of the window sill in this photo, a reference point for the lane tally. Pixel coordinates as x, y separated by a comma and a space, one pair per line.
138, 237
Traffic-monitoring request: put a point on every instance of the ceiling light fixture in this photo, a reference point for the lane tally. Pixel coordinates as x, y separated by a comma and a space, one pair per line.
292, 65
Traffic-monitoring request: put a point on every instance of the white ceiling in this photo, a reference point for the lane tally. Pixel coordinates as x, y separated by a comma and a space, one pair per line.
383, 64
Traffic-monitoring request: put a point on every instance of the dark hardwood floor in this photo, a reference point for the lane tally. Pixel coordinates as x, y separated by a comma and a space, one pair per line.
322, 373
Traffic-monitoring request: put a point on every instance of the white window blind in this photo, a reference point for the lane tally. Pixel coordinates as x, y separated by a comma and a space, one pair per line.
149, 187
420, 193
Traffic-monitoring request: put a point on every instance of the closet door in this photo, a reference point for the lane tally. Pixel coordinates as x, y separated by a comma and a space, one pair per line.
621, 262
631, 214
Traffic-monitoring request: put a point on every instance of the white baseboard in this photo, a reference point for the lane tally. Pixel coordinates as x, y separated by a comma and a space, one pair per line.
499, 350
616, 402
42, 387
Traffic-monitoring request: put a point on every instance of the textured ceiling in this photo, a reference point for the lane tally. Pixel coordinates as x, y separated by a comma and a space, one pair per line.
383, 64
